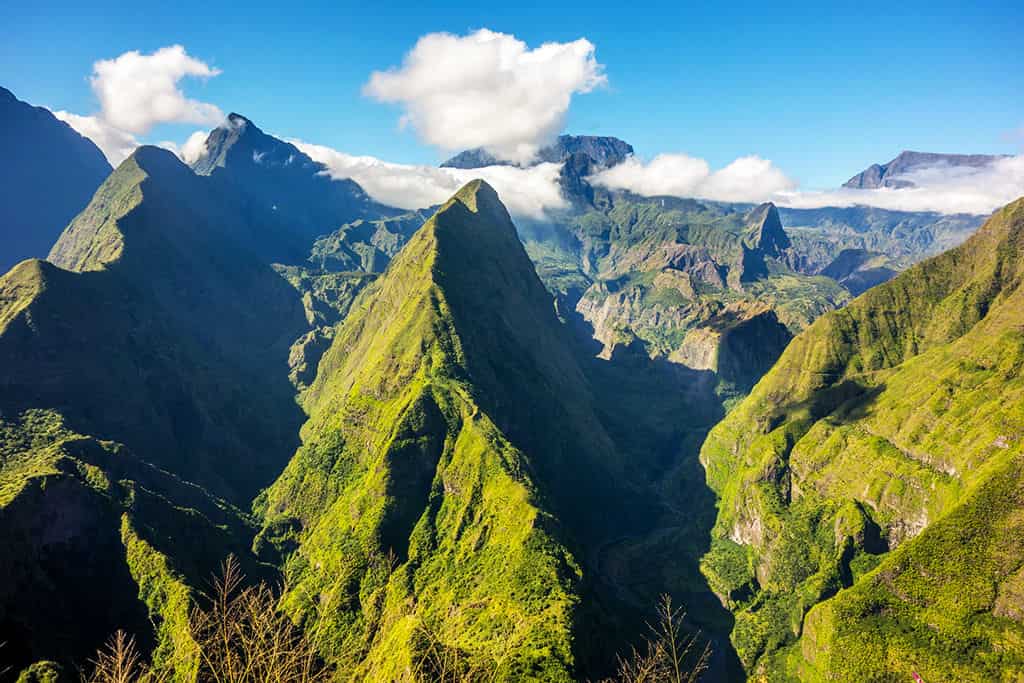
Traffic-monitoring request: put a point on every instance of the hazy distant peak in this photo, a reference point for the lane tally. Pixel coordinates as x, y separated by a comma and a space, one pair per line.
892, 174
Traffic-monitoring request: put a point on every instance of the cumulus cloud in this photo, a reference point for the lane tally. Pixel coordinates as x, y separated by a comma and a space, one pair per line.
747, 179
941, 188
488, 89
138, 91
115, 144
525, 191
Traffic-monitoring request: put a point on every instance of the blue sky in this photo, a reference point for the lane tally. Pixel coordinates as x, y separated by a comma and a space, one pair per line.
821, 93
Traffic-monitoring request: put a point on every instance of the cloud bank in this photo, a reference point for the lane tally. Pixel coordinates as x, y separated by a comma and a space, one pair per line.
747, 179
137, 92
940, 188
488, 90
525, 191
943, 189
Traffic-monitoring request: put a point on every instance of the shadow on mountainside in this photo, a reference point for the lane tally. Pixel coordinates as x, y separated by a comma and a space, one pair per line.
658, 414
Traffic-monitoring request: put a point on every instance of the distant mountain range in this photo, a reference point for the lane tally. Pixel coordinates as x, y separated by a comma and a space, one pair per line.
893, 174
602, 151
51, 173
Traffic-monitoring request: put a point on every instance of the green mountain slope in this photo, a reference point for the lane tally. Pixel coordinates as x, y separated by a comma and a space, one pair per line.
89, 531
451, 461
882, 455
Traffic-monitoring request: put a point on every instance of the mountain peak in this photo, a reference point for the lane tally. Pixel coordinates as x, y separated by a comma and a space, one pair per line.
602, 150
890, 174
477, 195
151, 158
51, 173
237, 119
765, 230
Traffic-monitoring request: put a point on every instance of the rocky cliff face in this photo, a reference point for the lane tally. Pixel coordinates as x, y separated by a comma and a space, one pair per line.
739, 345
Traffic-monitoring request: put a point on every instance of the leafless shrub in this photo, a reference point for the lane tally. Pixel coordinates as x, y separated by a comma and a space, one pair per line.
670, 655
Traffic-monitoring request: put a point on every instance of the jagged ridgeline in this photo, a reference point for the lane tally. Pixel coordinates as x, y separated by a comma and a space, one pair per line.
450, 462
871, 515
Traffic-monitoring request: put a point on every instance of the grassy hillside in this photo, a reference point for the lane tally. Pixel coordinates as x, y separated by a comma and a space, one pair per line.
879, 456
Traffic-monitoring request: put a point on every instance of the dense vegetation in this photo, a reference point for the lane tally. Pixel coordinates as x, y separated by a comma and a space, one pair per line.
882, 455
453, 479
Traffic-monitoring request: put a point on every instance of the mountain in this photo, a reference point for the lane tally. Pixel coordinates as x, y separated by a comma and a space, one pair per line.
451, 430
893, 174
677, 278
143, 396
870, 487
602, 151
52, 173
470, 481
275, 177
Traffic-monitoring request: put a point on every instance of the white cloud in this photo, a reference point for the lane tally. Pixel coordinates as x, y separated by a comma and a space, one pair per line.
747, 179
943, 188
195, 147
115, 144
488, 89
138, 91
525, 191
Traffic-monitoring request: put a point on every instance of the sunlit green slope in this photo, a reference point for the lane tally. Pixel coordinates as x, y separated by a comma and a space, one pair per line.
450, 460
882, 455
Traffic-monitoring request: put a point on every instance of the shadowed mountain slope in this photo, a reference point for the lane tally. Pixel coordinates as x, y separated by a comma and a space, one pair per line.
51, 172
143, 385
275, 177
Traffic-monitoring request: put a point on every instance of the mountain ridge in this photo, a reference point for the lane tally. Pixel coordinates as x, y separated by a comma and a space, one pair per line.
603, 151
54, 174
